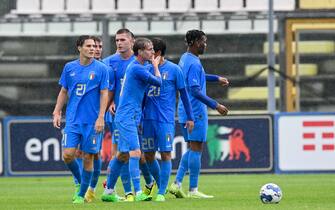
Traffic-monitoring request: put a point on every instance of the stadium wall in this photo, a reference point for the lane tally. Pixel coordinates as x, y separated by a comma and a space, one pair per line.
235, 144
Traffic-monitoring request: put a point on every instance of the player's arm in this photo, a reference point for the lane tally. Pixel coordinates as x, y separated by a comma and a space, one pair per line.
188, 109
147, 77
215, 78
100, 122
111, 91
57, 113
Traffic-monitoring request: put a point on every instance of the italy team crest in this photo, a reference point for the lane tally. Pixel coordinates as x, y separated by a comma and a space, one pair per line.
91, 75
165, 75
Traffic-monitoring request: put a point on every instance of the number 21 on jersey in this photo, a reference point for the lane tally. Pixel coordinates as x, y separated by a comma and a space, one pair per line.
80, 89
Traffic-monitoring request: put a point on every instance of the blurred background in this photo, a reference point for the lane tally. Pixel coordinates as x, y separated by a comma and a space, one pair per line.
37, 37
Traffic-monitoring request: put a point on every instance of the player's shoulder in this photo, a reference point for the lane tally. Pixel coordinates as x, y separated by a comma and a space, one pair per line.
112, 58
71, 64
173, 67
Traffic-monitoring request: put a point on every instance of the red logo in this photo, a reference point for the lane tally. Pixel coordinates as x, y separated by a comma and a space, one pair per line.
237, 146
315, 131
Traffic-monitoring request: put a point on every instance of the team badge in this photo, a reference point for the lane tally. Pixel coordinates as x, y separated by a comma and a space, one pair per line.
91, 75
165, 75
94, 140
168, 137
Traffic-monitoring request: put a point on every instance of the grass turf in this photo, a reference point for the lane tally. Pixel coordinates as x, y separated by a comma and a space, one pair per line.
300, 191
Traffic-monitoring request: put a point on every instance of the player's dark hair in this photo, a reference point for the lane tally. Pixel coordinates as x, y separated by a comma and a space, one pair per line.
81, 39
159, 45
193, 36
97, 39
125, 31
140, 44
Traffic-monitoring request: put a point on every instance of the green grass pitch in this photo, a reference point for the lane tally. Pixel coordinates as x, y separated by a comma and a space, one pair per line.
302, 191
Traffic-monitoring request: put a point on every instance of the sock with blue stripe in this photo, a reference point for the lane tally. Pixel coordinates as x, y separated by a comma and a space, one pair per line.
74, 168
166, 167
135, 173
154, 171
125, 178
194, 163
114, 168
86, 179
183, 167
96, 173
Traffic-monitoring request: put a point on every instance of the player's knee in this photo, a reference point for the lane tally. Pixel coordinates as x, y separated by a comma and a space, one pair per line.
124, 157
149, 156
68, 156
166, 156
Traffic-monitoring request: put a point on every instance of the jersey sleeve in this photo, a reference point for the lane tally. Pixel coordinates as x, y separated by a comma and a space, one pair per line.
147, 77
62, 80
194, 75
104, 84
180, 81
111, 79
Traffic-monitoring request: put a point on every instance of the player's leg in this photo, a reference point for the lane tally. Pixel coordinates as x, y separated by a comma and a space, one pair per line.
79, 159
113, 172
90, 194
176, 187
197, 139
165, 134
90, 145
70, 142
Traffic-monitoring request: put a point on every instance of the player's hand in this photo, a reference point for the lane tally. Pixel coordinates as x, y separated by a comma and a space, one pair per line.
57, 119
189, 125
222, 109
223, 81
155, 61
99, 125
112, 108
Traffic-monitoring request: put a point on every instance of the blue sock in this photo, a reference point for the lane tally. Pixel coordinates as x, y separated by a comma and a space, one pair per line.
114, 168
155, 171
96, 173
86, 179
74, 168
146, 173
183, 167
125, 178
166, 167
194, 163
135, 172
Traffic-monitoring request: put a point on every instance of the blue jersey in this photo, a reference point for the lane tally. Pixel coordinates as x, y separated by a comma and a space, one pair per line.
83, 84
136, 80
194, 75
119, 66
161, 101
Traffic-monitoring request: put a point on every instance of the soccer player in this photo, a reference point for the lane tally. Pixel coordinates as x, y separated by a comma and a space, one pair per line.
90, 194
195, 79
84, 81
124, 41
159, 113
137, 78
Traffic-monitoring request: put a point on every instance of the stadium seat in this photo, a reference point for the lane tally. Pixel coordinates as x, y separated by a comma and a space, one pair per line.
80, 28
229, 5
114, 26
179, 5
10, 29
139, 27
307, 47
305, 69
214, 26
52, 6
128, 6
320, 4
206, 6
245, 93
27, 7
103, 6
77, 6
23, 70
184, 26
154, 6
239, 26
262, 26
162, 27
59, 28
263, 5
34, 28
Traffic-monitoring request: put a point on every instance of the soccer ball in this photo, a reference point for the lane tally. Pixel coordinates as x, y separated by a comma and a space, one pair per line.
270, 193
